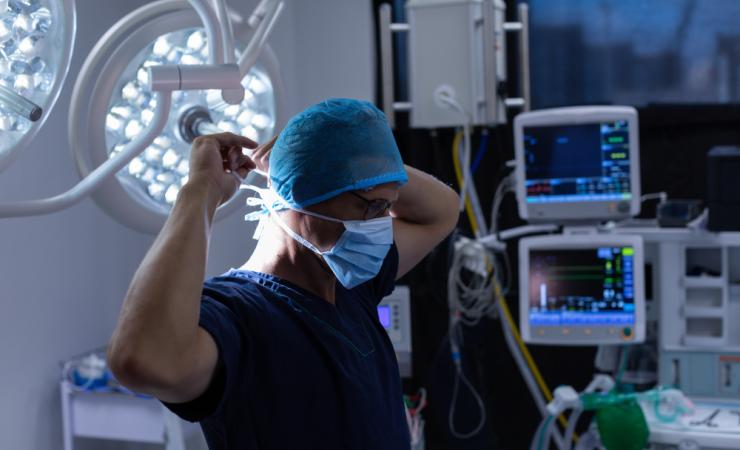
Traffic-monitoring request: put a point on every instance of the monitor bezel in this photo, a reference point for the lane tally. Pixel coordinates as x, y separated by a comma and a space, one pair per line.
577, 211
581, 242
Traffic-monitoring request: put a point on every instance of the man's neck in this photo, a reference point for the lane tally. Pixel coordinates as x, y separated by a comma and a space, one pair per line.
279, 255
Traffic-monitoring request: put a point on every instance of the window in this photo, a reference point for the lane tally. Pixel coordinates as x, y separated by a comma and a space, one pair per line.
634, 52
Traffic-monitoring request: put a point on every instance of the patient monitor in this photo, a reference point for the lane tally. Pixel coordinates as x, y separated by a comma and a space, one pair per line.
582, 289
577, 164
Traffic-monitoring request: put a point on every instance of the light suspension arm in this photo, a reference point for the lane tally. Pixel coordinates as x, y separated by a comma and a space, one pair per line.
227, 31
213, 30
100, 174
260, 12
252, 52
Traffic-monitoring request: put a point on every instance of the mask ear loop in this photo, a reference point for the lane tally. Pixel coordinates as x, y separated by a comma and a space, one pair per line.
264, 200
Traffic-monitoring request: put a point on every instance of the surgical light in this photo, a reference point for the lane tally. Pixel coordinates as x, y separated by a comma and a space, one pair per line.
36, 40
120, 105
132, 109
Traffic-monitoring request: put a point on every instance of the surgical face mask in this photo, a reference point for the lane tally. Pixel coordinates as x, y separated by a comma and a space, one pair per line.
360, 251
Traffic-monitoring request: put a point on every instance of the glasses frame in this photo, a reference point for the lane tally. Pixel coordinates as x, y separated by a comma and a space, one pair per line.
376, 207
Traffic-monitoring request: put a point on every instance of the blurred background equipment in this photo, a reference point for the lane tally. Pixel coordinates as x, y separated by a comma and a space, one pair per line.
723, 188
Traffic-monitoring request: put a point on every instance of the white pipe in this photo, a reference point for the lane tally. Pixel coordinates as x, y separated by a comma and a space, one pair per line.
227, 31
524, 70
259, 13
213, 30
85, 186
539, 400
386, 63
252, 52
570, 430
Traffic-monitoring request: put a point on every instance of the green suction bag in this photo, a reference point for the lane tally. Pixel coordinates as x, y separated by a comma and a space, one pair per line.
622, 426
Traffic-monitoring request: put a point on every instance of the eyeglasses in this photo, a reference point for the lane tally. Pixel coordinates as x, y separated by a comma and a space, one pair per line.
376, 207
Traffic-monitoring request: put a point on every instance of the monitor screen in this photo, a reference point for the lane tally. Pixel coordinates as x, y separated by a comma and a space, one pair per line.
384, 314
577, 163
582, 287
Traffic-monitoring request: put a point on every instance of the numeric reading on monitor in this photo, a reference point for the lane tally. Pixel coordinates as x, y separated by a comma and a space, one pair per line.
587, 287
584, 162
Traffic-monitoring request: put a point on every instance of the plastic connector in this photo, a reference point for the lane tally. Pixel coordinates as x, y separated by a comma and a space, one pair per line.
601, 383
492, 243
564, 398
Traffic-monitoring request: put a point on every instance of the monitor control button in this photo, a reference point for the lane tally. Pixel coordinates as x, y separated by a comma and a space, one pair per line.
627, 333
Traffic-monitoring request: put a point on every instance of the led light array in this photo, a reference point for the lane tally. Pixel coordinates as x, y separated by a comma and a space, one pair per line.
162, 169
26, 56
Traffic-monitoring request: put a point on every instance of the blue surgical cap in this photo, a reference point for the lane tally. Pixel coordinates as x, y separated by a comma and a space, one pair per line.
336, 146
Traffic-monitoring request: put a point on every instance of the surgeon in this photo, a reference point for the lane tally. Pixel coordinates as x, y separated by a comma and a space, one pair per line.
286, 352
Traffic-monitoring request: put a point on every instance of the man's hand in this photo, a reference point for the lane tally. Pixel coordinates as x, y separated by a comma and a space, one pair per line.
158, 346
214, 159
261, 157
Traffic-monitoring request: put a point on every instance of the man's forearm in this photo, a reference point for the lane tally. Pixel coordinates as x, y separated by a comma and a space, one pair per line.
160, 313
425, 200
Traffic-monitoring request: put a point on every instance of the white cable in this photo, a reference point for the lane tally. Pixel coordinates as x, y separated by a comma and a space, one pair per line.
416, 422
529, 380
460, 375
548, 436
662, 196
467, 187
227, 31
471, 295
570, 430
511, 233
470, 299
505, 186
541, 429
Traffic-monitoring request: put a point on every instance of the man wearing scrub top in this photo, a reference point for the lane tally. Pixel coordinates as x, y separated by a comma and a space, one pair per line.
286, 352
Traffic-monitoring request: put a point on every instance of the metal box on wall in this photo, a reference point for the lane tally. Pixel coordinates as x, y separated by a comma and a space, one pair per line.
459, 46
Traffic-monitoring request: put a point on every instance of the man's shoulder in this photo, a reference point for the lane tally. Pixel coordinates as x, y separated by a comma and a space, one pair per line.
235, 288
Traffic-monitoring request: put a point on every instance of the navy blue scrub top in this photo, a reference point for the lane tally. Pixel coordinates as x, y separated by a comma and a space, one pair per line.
296, 372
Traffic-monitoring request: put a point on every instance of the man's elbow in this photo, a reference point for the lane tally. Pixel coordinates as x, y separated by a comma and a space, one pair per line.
138, 372
129, 369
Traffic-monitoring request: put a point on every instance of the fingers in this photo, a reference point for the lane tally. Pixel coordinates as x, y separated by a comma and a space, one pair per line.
243, 171
261, 156
264, 148
234, 159
226, 140
245, 163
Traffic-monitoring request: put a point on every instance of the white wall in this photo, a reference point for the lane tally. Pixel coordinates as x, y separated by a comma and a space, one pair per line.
63, 276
